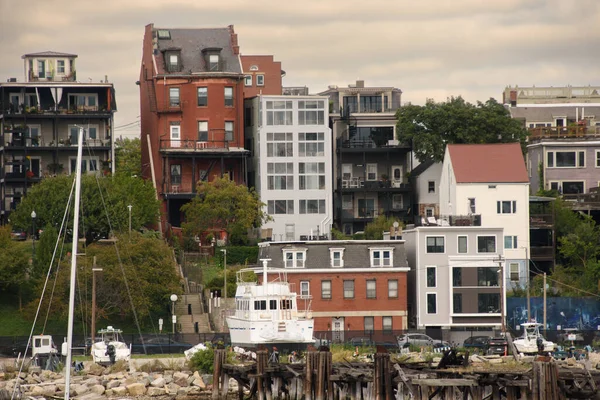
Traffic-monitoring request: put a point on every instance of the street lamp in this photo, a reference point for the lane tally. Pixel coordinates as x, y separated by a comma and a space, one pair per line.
33, 216
129, 207
173, 300
224, 251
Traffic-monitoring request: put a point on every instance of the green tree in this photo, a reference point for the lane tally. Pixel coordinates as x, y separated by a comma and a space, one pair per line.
374, 230
100, 197
224, 204
128, 157
430, 127
14, 266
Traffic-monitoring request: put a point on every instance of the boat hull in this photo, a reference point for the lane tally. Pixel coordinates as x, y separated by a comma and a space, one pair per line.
530, 347
246, 333
101, 356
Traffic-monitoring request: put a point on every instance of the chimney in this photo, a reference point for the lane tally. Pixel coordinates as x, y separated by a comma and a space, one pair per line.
360, 84
234, 40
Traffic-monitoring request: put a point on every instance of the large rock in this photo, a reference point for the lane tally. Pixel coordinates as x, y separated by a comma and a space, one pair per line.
78, 390
158, 382
156, 391
136, 389
37, 391
98, 389
90, 396
96, 369
181, 379
49, 390
172, 388
199, 382
113, 384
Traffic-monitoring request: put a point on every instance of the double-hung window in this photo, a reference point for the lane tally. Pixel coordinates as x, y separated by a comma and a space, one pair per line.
348, 289
228, 96
371, 289
326, 289
381, 257
336, 256
506, 207
435, 244
294, 258
202, 96
174, 97
486, 244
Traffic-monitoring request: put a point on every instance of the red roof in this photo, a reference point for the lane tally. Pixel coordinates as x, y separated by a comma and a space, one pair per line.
488, 163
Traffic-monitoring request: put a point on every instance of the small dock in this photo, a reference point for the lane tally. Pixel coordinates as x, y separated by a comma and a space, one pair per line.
318, 378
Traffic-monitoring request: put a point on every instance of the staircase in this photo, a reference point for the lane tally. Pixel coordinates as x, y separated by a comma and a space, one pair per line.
189, 312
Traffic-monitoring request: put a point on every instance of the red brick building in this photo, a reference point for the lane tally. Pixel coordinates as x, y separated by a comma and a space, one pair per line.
191, 100
262, 75
354, 287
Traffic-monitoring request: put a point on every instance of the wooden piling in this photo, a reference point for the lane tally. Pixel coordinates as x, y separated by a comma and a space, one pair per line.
262, 357
308, 375
218, 373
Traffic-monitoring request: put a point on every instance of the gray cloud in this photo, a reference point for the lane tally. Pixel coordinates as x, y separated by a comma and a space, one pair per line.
429, 49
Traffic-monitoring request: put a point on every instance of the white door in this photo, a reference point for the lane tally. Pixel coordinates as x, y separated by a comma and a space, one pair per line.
337, 329
175, 136
396, 175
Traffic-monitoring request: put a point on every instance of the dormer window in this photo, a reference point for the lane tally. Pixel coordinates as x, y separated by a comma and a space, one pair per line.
253, 68
213, 62
173, 60
212, 58
163, 34
60, 67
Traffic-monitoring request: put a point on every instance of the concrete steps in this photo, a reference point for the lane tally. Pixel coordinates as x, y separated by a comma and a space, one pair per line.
189, 312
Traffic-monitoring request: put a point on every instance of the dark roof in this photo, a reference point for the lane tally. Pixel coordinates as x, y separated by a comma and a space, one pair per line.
547, 114
191, 42
49, 54
419, 169
488, 163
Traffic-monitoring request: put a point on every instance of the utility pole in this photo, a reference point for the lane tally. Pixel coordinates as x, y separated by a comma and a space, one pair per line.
501, 265
545, 303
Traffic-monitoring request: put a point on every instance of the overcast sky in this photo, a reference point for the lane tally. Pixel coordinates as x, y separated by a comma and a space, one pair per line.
428, 48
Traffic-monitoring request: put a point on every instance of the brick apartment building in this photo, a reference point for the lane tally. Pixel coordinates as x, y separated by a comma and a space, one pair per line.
354, 287
262, 75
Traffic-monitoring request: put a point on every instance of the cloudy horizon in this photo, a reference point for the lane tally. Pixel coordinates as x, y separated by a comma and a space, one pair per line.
429, 50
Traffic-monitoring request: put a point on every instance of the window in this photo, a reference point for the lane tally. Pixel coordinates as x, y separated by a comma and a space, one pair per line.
277, 113
326, 289
311, 176
369, 324
83, 101
41, 68
304, 289
435, 244
381, 258
280, 207
488, 303
565, 159
347, 202
431, 187
213, 62
462, 244
429, 211
506, 207
172, 62
175, 174
348, 289
336, 257
253, 68
371, 172
373, 103
202, 96
431, 303
472, 205
229, 131
260, 304
60, 67
371, 289
398, 202
311, 112
456, 277
510, 242
74, 135
311, 144
514, 272
280, 176
312, 206
174, 97
228, 96
280, 144
386, 324
430, 276
34, 133
294, 258
88, 164
570, 187
248, 80
393, 288
597, 158
203, 131
457, 303
260, 80
486, 244
487, 276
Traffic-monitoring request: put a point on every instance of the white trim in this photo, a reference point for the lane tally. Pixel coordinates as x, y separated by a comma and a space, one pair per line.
495, 245
427, 278
370, 166
304, 296
295, 260
435, 236
382, 259
427, 303
365, 313
347, 270
246, 80
571, 150
475, 314
560, 184
332, 251
263, 79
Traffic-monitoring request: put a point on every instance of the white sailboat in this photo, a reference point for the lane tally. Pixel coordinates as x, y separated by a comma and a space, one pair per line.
267, 314
528, 343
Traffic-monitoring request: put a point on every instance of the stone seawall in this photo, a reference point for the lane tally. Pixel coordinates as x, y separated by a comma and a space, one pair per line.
165, 378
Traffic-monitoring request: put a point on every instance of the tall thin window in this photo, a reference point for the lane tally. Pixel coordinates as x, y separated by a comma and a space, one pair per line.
371, 289
174, 97
348, 289
228, 96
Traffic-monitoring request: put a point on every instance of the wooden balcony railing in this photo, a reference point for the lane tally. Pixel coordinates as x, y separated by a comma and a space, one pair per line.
189, 145
558, 132
541, 220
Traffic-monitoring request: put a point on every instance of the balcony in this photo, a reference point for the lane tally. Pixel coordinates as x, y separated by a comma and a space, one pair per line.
541, 253
367, 214
353, 184
46, 110
369, 144
167, 107
44, 143
564, 132
541, 221
449, 220
178, 189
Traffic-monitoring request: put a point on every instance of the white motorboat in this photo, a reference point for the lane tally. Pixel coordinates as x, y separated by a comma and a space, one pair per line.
111, 348
528, 343
267, 313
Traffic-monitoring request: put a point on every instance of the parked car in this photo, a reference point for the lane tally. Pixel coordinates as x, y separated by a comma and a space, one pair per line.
361, 341
160, 345
18, 234
476, 342
496, 346
419, 339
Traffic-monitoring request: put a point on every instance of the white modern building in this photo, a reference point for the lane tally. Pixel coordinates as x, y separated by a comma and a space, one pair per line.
290, 168
491, 180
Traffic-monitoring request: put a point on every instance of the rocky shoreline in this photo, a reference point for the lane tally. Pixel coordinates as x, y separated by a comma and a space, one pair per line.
164, 378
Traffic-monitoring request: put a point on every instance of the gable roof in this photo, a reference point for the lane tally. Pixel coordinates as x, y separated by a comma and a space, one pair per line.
191, 42
419, 169
49, 54
488, 163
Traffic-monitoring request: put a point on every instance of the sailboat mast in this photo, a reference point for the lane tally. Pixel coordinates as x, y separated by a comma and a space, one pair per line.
74, 262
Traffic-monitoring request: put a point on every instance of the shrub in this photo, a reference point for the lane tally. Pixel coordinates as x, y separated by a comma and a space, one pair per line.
203, 360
